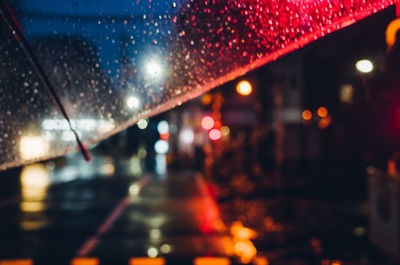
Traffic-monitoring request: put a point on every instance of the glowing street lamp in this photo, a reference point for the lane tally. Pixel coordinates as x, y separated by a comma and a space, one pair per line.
244, 88
153, 68
133, 102
364, 66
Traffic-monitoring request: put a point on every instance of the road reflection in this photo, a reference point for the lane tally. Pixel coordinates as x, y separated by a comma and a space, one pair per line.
108, 208
34, 184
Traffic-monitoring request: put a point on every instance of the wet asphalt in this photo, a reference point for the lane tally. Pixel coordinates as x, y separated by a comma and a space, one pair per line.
55, 211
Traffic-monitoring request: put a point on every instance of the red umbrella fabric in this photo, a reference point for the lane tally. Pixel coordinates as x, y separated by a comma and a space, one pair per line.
107, 64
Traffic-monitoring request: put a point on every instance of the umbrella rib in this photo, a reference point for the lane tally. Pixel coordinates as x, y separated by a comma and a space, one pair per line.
18, 33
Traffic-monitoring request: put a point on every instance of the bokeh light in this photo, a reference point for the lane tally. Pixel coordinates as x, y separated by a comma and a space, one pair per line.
307, 115
207, 122
322, 112
215, 134
153, 68
161, 147
32, 147
163, 127
325, 122
244, 88
142, 124
152, 252
133, 102
364, 66
187, 136
225, 131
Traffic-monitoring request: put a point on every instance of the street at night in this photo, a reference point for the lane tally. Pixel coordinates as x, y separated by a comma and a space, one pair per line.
200, 132
91, 211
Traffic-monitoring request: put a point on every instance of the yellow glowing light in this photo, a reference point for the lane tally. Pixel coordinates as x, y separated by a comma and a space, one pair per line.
322, 112
211, 261
242, 233
85, 261
107, 169
165, 248
206, 99
147, 261
32, 207
346, 93
31, 147
244, 88
17, 262
307, 115
34, 183
225, 131
364, 66
245, 250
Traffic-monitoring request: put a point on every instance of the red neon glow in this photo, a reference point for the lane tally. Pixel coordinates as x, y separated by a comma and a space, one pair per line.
215, 134
207, 123
164, 136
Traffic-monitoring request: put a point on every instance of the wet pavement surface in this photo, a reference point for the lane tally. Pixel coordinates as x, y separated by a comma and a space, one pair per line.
56, 212
112, 210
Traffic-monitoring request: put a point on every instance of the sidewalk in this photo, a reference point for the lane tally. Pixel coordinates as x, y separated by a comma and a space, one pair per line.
113, 219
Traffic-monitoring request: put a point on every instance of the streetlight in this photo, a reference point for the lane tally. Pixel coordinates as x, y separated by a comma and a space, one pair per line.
133, 102
244, 88
153, 68
364, 66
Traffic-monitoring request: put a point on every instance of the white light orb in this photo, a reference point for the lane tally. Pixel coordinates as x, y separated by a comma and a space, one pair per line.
153, 68
163, 127
142, 124
364, 66
161, 147
133, 102
187, 136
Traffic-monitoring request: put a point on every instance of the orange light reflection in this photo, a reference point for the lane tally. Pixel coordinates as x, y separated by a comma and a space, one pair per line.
211, 261
147, 261
16, 262
307, 115
85, 261
322, 112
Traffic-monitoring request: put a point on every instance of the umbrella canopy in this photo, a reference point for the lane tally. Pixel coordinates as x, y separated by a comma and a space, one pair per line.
111, 63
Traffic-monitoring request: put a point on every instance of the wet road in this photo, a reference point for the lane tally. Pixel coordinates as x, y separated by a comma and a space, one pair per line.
106, 209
